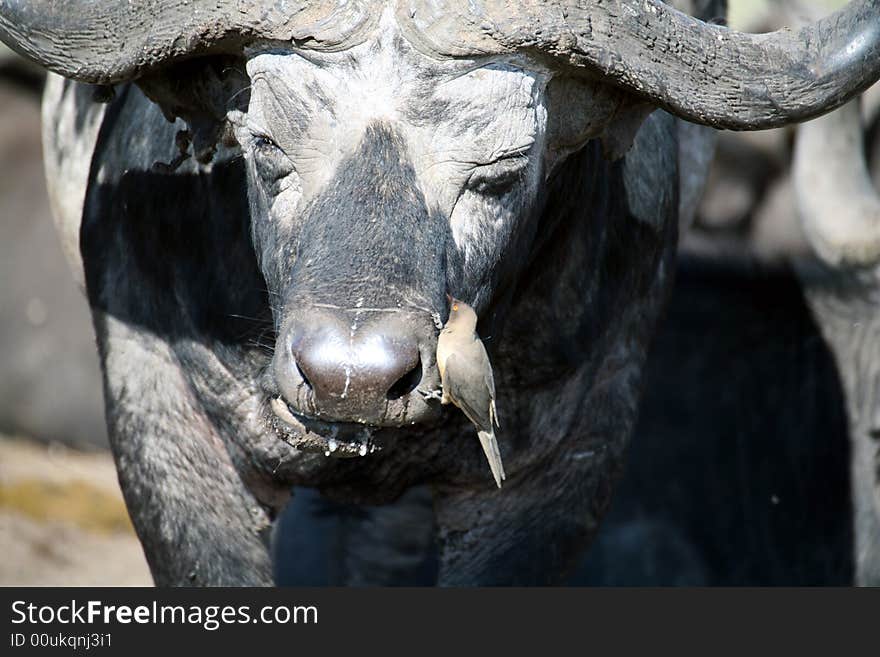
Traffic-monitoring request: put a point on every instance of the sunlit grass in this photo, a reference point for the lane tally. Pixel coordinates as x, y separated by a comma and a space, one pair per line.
77, 502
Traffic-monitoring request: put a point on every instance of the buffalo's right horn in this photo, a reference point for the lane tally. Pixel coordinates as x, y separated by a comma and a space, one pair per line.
108, 41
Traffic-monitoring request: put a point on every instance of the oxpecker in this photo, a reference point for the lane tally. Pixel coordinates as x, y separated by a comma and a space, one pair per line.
467, 381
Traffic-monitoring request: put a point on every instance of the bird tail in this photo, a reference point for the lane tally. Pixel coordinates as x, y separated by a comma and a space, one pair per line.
490, 448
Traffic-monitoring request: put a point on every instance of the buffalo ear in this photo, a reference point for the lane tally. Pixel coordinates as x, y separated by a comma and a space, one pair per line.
620, 132
582, 108
201, 92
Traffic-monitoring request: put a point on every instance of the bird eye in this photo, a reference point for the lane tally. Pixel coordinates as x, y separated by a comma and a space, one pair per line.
455, 307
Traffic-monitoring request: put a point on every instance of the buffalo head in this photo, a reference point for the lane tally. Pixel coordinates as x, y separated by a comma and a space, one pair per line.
380, 179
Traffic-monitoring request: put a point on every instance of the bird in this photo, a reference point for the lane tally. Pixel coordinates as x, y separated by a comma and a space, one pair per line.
467, 381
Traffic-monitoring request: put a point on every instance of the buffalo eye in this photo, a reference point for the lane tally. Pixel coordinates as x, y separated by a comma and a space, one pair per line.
497, 178
271, 161
264, 142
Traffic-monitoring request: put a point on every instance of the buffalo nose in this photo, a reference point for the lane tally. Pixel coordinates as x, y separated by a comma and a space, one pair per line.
353, 363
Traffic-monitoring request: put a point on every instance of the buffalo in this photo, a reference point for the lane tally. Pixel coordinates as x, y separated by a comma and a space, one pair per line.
268, 219
840, 212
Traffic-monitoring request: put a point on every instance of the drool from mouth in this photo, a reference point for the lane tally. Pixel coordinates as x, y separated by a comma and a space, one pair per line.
338, 440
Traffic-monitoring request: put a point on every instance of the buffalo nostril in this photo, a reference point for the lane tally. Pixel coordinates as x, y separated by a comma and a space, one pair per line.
407, 383
304, 377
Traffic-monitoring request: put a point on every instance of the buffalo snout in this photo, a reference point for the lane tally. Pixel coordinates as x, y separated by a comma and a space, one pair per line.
363, 365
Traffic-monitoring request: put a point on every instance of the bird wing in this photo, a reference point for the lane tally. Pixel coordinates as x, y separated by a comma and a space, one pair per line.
466, 386
482, 355
490, 385
490, 377
475, 352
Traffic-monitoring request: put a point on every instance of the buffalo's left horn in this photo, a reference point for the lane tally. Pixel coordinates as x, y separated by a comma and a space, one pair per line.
839, 206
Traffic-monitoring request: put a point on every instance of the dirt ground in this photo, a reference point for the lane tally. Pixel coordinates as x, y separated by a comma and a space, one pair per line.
62, 519
50, 384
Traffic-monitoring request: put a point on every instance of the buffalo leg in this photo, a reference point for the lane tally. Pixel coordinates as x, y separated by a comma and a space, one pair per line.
851, 325
197, 522
319, 542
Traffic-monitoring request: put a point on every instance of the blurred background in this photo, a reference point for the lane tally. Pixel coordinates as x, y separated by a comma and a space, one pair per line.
62, 519
739, 467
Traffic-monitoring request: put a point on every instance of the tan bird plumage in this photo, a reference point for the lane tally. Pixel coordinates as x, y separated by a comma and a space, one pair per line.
466, 377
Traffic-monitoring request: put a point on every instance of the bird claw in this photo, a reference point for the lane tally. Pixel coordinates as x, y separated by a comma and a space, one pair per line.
431, 394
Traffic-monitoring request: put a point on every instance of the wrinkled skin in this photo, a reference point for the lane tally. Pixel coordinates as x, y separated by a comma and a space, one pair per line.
372, 182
